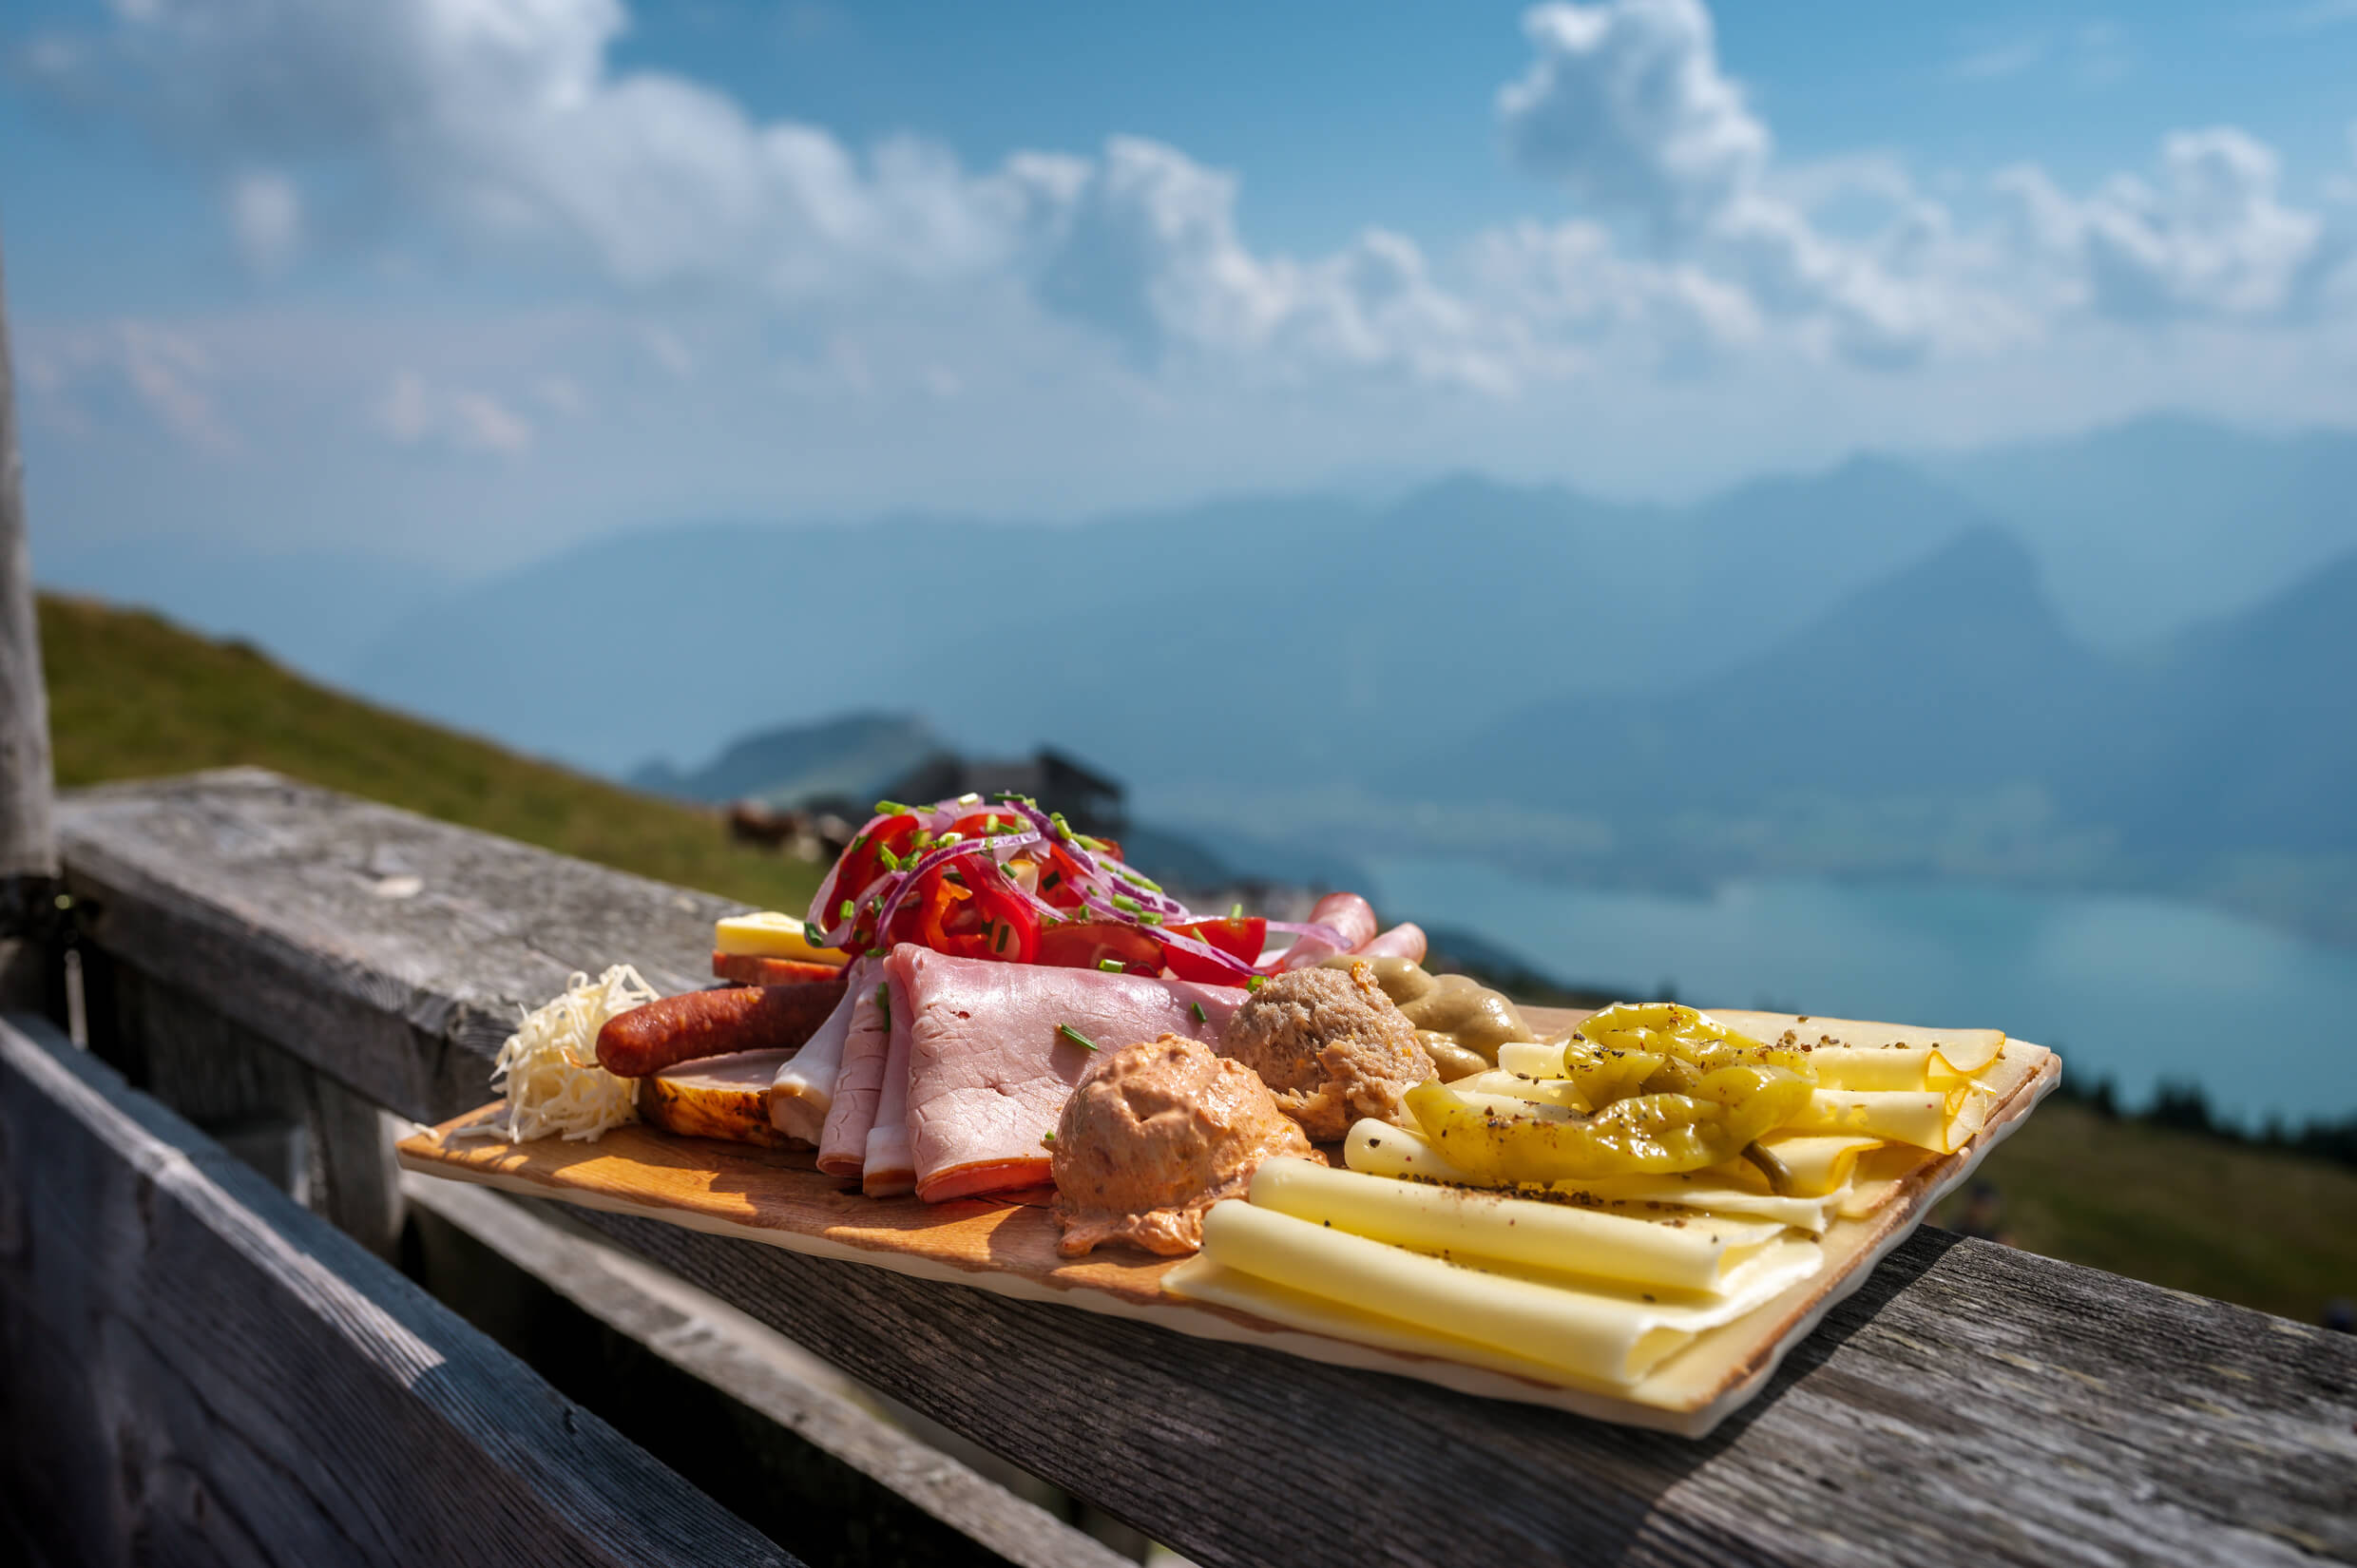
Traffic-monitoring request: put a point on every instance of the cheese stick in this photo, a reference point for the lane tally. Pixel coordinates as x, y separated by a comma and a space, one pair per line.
1612, 1336
1378, 1148
1695, 1256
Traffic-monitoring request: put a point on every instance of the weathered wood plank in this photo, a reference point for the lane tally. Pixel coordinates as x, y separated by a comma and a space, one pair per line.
194, 1370
297, 936
751, 1364
1972, 1405
28, 846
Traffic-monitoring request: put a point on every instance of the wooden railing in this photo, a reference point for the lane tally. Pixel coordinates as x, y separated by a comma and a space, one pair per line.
1971, 1403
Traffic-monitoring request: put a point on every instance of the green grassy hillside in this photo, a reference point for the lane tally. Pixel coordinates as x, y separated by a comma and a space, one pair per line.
133, 696
2268, 1229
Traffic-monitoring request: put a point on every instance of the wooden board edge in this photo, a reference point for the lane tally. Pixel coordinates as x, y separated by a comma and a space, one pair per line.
1809, 1302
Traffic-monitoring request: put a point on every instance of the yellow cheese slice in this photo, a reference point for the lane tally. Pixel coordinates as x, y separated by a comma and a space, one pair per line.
769, 934
1531, 1059
1693, 1254
1930, 1119
1615, 1336
1819, 1163
1969, 1051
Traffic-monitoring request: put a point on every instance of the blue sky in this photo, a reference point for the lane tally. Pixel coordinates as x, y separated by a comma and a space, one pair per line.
462, 281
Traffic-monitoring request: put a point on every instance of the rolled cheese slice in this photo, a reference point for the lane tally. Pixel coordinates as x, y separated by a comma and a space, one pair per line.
1942, 1120
1378, 1148
1695, 1255
1614, 1336
1820, 1163
1966, 1051
1515, 1091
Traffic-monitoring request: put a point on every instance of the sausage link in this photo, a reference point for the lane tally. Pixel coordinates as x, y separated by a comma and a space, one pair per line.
698, 1023
1348, 914
1405, 940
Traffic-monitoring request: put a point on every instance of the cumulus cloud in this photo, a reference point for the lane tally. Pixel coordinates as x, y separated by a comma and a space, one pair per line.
2213, 239
1625, 107
508, 123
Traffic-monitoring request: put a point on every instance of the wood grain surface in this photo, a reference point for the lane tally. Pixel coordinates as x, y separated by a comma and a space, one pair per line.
1970, 1405
27, 847
1006, 1244
196, 1370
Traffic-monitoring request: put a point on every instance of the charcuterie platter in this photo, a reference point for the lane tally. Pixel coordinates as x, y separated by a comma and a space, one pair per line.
996, 1056
779, 1198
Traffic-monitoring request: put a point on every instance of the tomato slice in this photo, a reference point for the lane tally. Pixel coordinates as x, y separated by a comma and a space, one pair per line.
1087, 944
1239, 937
861, 865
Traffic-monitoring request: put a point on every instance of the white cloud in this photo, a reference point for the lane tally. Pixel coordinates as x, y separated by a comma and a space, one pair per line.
413, 410
894, 273
2213, 239
266, 215
1626, 107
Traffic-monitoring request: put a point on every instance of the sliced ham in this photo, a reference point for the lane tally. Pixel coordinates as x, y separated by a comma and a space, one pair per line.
843, 1143
889, 1172
804, 1090
990, 1069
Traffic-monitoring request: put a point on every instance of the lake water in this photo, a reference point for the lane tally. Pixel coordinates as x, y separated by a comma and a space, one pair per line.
2136, 989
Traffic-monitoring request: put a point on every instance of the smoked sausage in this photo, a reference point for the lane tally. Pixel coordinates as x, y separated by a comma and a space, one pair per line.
715, 1023
1405, 940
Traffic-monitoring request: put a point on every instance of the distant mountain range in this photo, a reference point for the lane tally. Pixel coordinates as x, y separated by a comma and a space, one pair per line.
2122, 655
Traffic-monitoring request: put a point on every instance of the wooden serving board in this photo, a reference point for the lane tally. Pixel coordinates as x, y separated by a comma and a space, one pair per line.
1008, 1245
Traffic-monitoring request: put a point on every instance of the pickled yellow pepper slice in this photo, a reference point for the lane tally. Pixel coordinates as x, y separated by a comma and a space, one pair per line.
1648, 1133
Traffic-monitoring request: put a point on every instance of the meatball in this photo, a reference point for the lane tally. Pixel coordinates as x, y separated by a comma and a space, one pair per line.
1330, 1046
1154, 1135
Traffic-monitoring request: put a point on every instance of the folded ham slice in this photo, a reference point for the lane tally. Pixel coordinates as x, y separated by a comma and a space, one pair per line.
858, 1087
804, 1090
889, 1172
989, 1066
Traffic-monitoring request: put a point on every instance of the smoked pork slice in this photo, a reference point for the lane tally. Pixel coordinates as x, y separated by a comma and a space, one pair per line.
989, 1069
889, 1172
804, 1092
843, 1142
716, 1096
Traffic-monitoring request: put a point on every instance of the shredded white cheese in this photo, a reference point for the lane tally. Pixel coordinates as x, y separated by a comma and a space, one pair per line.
548, 1068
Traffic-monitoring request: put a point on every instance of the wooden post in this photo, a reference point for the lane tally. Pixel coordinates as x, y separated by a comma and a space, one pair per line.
28, 844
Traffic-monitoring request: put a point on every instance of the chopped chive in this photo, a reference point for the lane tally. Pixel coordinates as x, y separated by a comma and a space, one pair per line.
1149, 918
1254, 983
1235, 910
970, 798
891, 808
1076, 1037
1111, 966
1047, 1137
1197, 1008
884, 1000
1126, 903
848, 907
1005, 931
891, 861
948, 839
1140, 879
